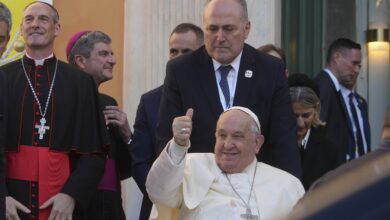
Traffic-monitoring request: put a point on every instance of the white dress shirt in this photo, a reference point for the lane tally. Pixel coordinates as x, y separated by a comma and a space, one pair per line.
345, 93
231, 78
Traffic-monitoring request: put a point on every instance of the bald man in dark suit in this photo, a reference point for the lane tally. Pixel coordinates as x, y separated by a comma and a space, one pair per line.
227, 72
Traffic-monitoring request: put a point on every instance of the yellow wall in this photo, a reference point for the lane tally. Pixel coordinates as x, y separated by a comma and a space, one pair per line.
107, 16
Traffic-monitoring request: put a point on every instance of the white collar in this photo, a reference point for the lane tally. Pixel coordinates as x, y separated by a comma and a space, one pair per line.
41, 61
235, 63
345, 92
334, 79
305, 139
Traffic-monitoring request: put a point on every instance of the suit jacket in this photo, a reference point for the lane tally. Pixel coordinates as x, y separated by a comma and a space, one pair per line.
363, 106
142, 146
185, 187
2, 143
190, 83
320, 156
334, 113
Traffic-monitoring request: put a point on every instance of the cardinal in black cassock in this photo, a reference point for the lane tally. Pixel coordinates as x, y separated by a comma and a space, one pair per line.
64, 152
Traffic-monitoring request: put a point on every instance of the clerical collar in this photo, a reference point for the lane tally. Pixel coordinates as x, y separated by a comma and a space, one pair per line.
41, 61
235, 63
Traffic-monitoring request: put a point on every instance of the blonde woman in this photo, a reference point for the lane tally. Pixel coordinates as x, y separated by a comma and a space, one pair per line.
318, 154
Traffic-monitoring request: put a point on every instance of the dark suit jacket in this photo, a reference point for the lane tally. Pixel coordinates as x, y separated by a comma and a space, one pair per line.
320, 156
190, 83
335, 114
142, 147
363, 106
2, 142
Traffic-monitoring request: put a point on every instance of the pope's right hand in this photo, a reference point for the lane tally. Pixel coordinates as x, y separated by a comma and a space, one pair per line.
182, 127
12, 207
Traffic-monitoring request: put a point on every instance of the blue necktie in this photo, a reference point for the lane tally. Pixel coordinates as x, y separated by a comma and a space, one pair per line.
358, 135
224, 71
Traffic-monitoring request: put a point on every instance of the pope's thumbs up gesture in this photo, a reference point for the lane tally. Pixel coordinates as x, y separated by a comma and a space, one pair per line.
182, 127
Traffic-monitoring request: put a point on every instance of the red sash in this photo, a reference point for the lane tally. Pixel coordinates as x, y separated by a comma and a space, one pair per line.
37, 164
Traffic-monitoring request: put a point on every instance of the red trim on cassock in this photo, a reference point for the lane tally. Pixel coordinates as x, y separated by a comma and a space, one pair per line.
38, 164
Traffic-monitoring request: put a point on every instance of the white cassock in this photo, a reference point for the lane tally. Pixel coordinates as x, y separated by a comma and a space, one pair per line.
196, 188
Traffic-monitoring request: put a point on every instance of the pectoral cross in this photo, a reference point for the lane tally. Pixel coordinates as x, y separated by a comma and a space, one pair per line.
248, 215
42, 128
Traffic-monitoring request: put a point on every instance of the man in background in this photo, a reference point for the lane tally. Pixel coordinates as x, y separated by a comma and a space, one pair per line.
91, 52
5, 27
276, 52
184, 38
3, 87
342, 108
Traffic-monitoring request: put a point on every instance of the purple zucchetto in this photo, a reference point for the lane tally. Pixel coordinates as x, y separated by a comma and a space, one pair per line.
73, 40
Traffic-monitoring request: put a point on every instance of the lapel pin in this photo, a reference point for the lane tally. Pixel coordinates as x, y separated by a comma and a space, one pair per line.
248, 73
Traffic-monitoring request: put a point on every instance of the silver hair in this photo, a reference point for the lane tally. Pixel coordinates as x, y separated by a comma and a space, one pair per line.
5, 15
85, 44
254, 128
